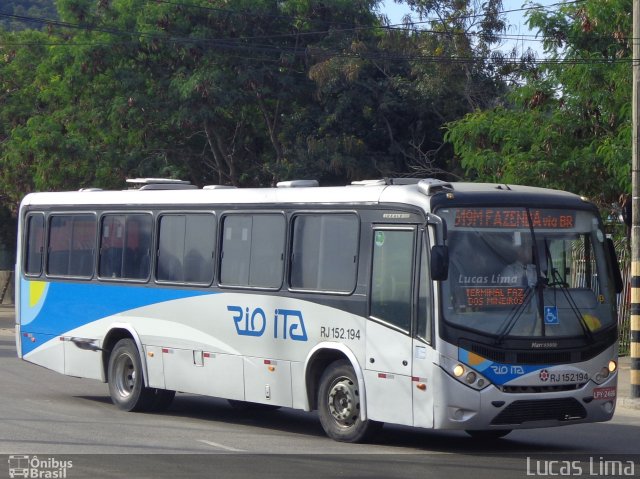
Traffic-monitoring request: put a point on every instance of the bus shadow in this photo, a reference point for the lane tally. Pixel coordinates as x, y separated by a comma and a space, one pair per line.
401, 438
213, 409
390, 436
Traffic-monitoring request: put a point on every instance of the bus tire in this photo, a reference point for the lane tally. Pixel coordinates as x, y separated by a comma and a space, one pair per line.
339, 405
489, 435
126, 381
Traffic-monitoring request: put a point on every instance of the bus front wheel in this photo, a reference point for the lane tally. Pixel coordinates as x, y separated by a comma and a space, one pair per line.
126, 384
339, 405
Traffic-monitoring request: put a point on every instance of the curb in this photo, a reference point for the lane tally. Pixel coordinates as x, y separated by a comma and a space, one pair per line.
629, 403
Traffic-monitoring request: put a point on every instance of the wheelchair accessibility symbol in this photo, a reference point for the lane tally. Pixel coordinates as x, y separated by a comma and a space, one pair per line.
551, 315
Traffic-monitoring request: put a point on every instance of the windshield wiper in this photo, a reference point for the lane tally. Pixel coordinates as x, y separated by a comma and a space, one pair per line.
513, 318
564, 287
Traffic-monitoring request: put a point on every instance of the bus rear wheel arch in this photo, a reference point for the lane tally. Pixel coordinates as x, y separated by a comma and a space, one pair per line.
339, 405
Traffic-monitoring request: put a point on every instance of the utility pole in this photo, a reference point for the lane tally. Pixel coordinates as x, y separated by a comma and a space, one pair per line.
635, 205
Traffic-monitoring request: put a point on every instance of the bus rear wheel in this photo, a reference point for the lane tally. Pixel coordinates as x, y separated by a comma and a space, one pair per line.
126, 383
339, 405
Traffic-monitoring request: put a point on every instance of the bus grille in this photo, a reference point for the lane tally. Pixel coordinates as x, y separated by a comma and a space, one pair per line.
540, 389
518, 412
522, 357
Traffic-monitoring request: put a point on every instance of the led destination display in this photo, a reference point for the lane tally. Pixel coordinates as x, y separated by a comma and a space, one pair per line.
514, 218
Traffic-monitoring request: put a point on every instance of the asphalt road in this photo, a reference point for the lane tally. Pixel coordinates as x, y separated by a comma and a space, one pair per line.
57, 418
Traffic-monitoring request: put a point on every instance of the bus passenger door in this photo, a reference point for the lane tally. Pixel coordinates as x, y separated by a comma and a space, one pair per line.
424, 355
388, 331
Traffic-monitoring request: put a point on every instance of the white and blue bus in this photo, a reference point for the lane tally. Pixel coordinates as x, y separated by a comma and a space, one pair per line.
475, 307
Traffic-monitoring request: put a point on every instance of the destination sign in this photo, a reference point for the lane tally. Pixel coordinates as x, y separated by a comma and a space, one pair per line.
492, 296
514, 218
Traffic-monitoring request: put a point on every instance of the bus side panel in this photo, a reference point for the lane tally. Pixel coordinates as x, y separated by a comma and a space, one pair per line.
268, 381
155, 366
50, 353
201, 372
387, 375
388, 397
424, 370
298, 386
82, 363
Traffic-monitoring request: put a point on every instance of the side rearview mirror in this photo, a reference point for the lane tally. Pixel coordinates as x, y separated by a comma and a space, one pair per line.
439, 263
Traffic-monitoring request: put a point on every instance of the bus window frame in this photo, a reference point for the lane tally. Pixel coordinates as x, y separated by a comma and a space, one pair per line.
219, 248
289, 255
25, 244
48, 244
156, 247
125, 212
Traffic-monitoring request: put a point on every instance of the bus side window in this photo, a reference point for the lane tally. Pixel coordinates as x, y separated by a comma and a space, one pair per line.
35, 245
253, 250
136, 262
325, 251
125, 246
111, 246
71, 243
185, 248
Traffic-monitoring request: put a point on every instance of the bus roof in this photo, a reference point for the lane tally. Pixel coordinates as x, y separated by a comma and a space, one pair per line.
427, 194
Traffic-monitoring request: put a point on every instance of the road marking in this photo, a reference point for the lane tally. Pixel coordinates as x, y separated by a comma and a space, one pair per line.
221, 446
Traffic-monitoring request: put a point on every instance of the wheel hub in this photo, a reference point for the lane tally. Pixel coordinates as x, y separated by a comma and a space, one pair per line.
125, 376
343, 402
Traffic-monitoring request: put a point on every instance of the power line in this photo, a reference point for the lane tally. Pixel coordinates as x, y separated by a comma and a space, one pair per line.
401, 27
240, 43
371, 56
89, 27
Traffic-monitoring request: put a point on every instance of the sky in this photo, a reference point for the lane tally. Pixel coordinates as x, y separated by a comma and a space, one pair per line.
395, 12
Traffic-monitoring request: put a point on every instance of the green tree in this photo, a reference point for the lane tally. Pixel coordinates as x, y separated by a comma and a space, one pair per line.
567, 125
243, 93
18, 15
385, 99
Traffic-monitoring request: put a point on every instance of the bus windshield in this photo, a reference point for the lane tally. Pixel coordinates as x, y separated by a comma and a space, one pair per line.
527, 272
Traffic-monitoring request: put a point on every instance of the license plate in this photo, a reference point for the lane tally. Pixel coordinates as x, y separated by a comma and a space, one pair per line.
604, 393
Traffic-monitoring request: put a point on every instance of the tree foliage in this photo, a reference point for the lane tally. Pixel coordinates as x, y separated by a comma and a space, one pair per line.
567, 124
248, 92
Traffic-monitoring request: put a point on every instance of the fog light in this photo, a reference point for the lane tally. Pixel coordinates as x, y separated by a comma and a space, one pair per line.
458, 370
480, 383
608, 406
471, 378
604, 373
613, 365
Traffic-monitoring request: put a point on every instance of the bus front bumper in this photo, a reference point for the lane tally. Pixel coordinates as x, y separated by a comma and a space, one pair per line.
460, 407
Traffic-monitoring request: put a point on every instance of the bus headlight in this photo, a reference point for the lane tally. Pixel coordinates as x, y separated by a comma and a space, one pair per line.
606, 371
464, 374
